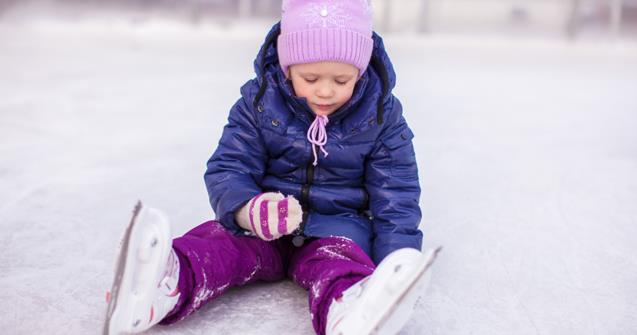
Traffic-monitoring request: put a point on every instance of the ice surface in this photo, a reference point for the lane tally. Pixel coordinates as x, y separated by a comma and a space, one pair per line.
527, 153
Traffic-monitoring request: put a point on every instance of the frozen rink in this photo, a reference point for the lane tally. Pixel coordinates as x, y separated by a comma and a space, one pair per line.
527, 152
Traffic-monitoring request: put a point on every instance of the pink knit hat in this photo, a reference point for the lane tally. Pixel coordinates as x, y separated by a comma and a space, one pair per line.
326, 30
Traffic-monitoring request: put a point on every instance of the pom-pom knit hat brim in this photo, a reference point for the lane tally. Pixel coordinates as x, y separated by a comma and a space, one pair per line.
324, 45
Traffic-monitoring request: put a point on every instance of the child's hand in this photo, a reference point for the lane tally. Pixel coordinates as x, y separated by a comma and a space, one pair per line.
270, 215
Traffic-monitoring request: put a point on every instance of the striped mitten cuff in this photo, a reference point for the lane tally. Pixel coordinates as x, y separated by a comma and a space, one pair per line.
270, 215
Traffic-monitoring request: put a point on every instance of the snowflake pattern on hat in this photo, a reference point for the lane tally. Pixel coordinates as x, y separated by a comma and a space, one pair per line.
367, 4
285, 4
325, 14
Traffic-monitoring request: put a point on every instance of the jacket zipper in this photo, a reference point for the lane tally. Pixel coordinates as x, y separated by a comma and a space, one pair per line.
305, 193
305, 190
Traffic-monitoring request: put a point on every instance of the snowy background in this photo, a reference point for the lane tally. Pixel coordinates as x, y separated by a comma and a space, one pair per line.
527, 151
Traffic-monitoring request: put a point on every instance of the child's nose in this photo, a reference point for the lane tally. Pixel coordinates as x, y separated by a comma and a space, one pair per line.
325, 91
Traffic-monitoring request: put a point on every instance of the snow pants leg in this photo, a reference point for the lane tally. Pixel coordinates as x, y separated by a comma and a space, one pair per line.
212, 260
326, 267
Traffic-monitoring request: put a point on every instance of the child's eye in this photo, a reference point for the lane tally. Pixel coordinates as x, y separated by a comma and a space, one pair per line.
310, 80
341, 82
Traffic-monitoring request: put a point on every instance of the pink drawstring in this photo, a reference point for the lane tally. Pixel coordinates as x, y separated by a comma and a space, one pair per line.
317, 135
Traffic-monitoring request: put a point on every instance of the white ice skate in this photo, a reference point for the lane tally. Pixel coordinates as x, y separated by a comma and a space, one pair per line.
383, 302
145, 284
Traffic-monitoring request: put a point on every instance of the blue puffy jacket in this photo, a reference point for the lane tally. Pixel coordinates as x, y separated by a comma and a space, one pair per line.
366, 189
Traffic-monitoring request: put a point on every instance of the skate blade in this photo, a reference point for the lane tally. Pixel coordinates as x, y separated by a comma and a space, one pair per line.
415, 284
119, 272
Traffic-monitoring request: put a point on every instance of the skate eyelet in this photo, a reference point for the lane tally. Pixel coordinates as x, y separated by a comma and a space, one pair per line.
153, 243
397, 268
136, 323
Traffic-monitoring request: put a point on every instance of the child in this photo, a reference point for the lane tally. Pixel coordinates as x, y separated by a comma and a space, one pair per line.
314, 177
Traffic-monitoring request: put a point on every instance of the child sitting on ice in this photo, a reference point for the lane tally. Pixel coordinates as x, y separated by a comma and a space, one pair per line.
314, 178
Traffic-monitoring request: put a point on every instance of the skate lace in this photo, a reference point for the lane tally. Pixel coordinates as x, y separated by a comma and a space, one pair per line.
168, 283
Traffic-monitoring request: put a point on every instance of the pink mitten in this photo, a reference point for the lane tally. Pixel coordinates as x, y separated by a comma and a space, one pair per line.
270, 215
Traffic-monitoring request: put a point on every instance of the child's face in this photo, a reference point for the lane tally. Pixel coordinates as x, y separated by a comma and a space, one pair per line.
326, 85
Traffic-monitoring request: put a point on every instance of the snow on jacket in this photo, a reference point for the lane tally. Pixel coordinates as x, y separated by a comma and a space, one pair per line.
366, 189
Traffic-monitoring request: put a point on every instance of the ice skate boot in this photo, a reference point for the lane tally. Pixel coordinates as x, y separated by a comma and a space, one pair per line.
144, 289
383, 302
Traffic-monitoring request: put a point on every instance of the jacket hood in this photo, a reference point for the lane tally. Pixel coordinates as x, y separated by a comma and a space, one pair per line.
374, 87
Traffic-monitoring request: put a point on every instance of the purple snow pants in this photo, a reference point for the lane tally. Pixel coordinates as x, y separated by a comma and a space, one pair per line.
212, 260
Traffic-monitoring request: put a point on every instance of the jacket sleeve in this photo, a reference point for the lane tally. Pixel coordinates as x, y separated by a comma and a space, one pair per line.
391, 180
237, 166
